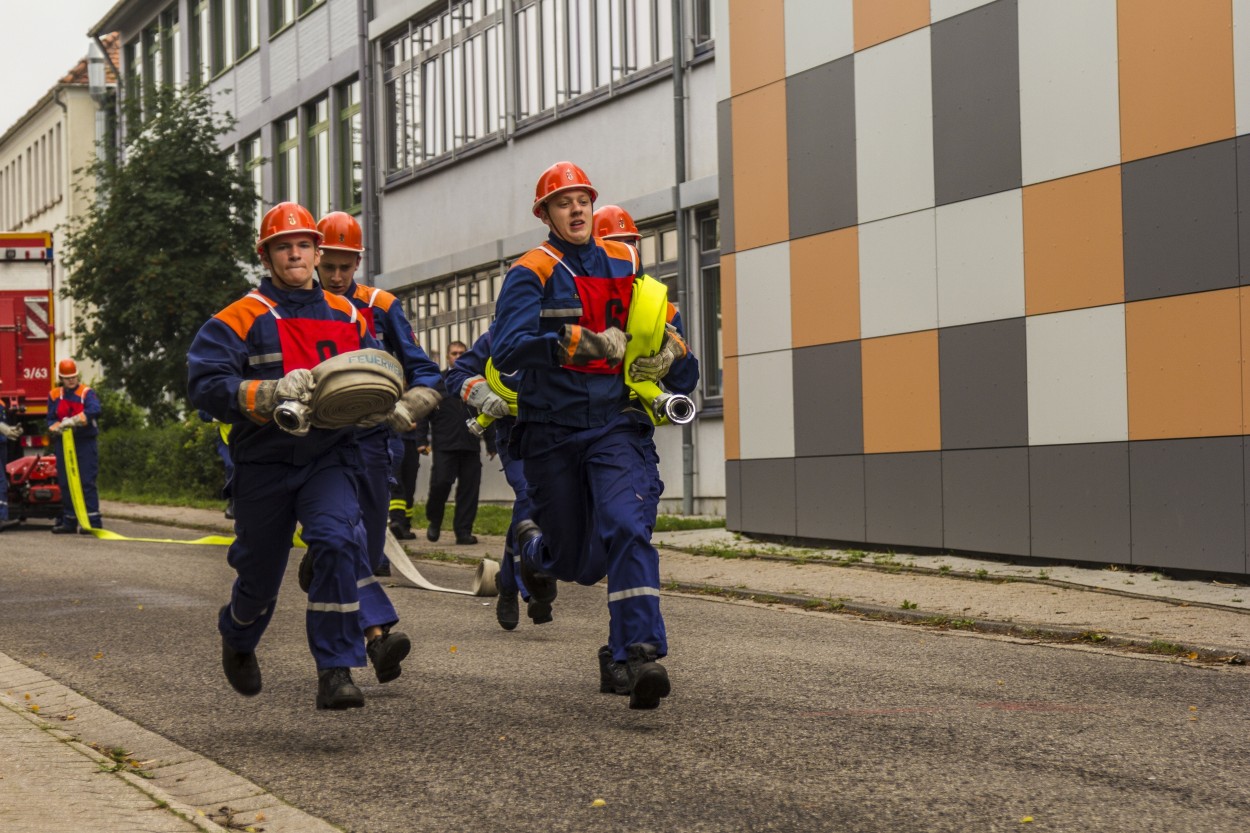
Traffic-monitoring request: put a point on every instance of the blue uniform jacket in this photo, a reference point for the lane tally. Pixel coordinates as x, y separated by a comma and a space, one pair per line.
64, 402
241, 343
389, 325
540, 294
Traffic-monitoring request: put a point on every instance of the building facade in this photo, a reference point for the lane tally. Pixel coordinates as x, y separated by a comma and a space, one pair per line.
40, 191
437, 143
984, 268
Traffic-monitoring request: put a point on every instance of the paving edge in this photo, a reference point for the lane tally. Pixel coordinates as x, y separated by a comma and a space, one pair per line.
161, 799
50, 688
1041, 634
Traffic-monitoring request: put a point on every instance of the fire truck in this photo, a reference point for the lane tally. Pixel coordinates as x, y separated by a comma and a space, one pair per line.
27, 344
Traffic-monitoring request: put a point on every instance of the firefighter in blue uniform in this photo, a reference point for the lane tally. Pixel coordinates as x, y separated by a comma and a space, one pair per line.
467, 377
560, 318
75, 407
341, 248
244, 361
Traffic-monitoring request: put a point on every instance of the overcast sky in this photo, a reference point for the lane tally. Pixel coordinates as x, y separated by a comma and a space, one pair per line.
43, 39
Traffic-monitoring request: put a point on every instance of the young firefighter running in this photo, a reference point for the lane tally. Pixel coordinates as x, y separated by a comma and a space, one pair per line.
340, 258
245, 361
467, 376
560, 318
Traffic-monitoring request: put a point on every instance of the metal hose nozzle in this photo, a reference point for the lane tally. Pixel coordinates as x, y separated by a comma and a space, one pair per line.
294, 417
677, 407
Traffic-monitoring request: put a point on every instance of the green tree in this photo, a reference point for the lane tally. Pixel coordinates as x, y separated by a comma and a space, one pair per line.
168, 242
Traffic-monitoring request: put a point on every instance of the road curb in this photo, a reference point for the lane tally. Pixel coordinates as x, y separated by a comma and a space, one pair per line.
1047, 634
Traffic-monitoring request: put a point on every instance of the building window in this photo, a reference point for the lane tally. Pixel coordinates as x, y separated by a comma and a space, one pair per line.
444, 78
134, 58
712, 357
171, 35
567, 48
458, 308
288, 160
247, 26
201, 44
283, 13
318, 116
223, 35
657, 253
704, 22
252, 165
351, 153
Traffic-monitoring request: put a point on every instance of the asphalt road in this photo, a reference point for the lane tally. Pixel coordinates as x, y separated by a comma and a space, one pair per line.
779, 719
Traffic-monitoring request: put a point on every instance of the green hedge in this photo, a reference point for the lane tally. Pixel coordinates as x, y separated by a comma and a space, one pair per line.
172, 460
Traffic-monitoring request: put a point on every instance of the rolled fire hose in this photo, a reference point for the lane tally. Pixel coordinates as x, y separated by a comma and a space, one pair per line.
350, 388
483, 578
648, 315
478, 425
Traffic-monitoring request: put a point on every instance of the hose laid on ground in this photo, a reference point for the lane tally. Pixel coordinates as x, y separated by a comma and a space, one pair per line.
483, 578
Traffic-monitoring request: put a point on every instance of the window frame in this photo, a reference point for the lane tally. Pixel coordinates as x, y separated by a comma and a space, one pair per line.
284, 188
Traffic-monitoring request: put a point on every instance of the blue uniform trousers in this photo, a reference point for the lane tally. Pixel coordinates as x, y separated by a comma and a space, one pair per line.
269, 499
88, 467
375, 490
594, 495
514, 470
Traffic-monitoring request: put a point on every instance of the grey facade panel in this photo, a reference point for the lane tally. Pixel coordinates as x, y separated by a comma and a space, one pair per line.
314, 40
283, 62
1188, 499
976, 103
343, 32
903, 495
828, 400
1243, 207
767, 489
1180, 222
733, 495
985, 500
820, 137
983, 372
830, 497
1079, 496
247, 85
725, 171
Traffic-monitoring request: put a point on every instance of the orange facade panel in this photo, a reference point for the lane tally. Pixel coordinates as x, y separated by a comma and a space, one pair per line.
1176, 75
1184, 366
729, 382
1074, 242
757, 50
877, 21
824, 288
729, 304
902, 404
761, 191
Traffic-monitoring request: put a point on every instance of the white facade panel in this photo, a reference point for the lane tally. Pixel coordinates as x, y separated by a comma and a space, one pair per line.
720, 22
283, 61
247, 85
894, 127
980, 259
942, 9
898, 275
817, 33
1241, 64
343, 36
1069, 88
763, 286
1078, 390
766, 408
701, 158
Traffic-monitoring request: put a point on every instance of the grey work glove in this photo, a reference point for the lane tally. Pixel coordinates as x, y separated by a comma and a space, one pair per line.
654, 368
415, 404
477, 394
583, 346
11, 432
264, 396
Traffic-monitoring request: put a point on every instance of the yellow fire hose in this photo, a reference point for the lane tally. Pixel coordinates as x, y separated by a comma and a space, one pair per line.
648, 315
494, 381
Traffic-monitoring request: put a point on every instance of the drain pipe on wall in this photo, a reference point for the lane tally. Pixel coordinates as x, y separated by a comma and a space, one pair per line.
368, 186
683, 260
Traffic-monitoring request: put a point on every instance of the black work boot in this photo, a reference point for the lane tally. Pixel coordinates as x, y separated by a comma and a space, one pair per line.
386, 652
242, 670
432, 532
229, 513
383, 570
335, 690
542, 587
648, 680
613, 677
507, 609
305, 571
538, 612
